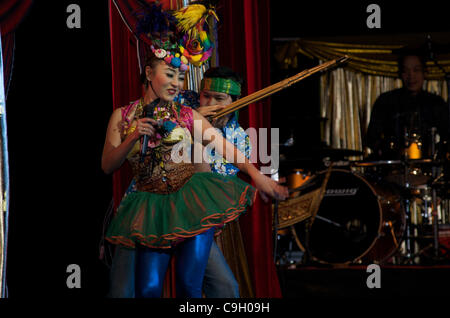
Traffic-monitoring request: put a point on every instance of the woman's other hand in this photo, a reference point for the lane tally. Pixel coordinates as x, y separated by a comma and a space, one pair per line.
269, 188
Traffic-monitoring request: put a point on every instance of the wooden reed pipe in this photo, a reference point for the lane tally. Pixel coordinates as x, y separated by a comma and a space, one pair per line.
269, 90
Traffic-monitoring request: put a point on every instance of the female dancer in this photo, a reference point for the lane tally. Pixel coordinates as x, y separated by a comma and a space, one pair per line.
174, 211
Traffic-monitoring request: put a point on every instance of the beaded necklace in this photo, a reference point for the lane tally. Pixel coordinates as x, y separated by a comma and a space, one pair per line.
167, 116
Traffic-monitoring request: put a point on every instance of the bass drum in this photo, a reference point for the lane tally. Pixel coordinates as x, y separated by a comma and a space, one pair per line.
357, 222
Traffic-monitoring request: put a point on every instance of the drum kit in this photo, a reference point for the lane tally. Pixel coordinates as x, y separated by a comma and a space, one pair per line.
362, 211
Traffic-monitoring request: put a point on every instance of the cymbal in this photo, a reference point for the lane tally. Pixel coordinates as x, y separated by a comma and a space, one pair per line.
326, 150
334, 153
338, 152
409, 162
372, 163
410, 179
423, 162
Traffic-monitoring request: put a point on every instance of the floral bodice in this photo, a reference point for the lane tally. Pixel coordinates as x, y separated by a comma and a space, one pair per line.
161, 169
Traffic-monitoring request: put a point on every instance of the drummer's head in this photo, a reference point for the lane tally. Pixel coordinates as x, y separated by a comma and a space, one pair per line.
411, 68
220, 86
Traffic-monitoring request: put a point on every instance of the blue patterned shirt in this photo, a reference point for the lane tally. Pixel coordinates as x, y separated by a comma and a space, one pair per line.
237, 136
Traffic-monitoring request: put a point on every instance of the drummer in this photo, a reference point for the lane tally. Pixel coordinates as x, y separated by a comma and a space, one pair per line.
405, 117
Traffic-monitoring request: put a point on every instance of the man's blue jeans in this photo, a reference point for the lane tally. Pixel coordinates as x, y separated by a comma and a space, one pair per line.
219, 281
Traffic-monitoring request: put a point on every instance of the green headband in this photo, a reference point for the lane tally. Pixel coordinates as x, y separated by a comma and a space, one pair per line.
221, 85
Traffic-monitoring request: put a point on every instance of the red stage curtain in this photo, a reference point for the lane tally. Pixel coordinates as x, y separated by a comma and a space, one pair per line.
126, 85
244, 45
12, 13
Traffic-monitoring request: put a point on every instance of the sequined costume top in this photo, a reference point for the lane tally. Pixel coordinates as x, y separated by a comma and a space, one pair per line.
158, 173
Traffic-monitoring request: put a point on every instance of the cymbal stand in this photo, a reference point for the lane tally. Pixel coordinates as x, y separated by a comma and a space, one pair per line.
408, 257
434, 213
431, 56
408, 246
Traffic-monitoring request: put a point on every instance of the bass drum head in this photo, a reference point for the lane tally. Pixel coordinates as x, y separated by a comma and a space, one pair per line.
347, 223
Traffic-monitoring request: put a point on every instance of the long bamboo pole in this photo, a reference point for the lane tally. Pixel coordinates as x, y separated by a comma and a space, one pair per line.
269, 90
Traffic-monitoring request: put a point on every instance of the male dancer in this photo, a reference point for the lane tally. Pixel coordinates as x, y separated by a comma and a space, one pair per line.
220, 87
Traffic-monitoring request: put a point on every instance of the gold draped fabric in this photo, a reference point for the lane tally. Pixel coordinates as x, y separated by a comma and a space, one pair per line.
232, 246
348, 93
373, 59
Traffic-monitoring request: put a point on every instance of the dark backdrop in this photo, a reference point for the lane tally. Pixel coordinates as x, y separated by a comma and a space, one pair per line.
57, 110
58, 107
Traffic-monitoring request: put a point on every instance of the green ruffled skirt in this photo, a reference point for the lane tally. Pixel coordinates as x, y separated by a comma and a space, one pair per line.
162, 220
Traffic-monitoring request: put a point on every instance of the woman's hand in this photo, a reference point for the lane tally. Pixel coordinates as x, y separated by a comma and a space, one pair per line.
115, 151
145, 126
269, 188
206, 111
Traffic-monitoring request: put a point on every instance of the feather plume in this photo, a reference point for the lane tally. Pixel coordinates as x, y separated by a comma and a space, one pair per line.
191, 18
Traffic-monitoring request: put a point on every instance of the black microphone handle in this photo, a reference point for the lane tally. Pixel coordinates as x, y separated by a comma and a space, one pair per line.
144, 147
149, 114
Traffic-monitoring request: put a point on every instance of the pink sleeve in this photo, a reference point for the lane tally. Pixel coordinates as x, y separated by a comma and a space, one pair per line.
126, 111
187, 117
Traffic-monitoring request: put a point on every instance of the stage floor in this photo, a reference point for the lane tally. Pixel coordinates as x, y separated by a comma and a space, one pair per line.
416, 282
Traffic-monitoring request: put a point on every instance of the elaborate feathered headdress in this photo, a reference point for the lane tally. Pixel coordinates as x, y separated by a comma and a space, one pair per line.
192, 21
158, 28
177, 37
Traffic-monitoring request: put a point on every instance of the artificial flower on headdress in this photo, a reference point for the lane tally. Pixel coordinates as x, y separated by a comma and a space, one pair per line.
195, 44
158, 28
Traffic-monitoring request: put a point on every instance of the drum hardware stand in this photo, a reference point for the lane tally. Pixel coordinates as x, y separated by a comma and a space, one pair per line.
276, 223
391, 227
434, 213
435, 245
434, 202
409, 257
328, 221
276, 236
307, 256
431, 56
409, 254
277, 257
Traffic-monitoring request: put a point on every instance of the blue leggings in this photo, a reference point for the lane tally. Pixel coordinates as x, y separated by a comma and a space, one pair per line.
191, 260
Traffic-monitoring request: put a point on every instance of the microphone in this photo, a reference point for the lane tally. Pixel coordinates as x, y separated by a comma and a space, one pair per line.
148, 113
